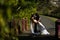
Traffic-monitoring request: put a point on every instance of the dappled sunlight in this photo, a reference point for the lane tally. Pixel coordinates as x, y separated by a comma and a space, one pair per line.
2, 21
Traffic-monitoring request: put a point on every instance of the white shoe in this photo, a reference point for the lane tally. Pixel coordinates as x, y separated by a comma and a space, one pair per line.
45, 32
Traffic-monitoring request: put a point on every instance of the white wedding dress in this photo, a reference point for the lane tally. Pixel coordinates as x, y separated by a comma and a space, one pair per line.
43, 32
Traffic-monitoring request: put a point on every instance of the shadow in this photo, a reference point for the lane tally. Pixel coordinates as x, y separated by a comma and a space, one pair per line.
44, 37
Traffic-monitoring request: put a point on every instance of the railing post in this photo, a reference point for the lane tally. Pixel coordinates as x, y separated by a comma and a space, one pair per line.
26, 24
57, 24
23, 24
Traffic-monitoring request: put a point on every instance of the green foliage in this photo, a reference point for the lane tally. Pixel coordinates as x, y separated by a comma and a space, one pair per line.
9, 9
9, 13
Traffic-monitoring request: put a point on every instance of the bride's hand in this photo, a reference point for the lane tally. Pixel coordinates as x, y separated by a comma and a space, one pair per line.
35, 21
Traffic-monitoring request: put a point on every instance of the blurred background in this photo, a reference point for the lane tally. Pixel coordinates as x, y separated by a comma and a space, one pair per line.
24, 8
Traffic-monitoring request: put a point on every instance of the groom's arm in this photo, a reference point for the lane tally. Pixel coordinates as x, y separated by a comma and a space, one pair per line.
39, 20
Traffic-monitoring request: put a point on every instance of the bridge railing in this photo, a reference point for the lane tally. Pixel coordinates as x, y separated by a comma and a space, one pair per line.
18, 25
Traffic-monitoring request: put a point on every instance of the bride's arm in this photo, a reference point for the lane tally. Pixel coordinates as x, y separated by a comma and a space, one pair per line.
35, 21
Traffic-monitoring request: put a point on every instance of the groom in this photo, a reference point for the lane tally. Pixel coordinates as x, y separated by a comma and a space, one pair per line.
36, 22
